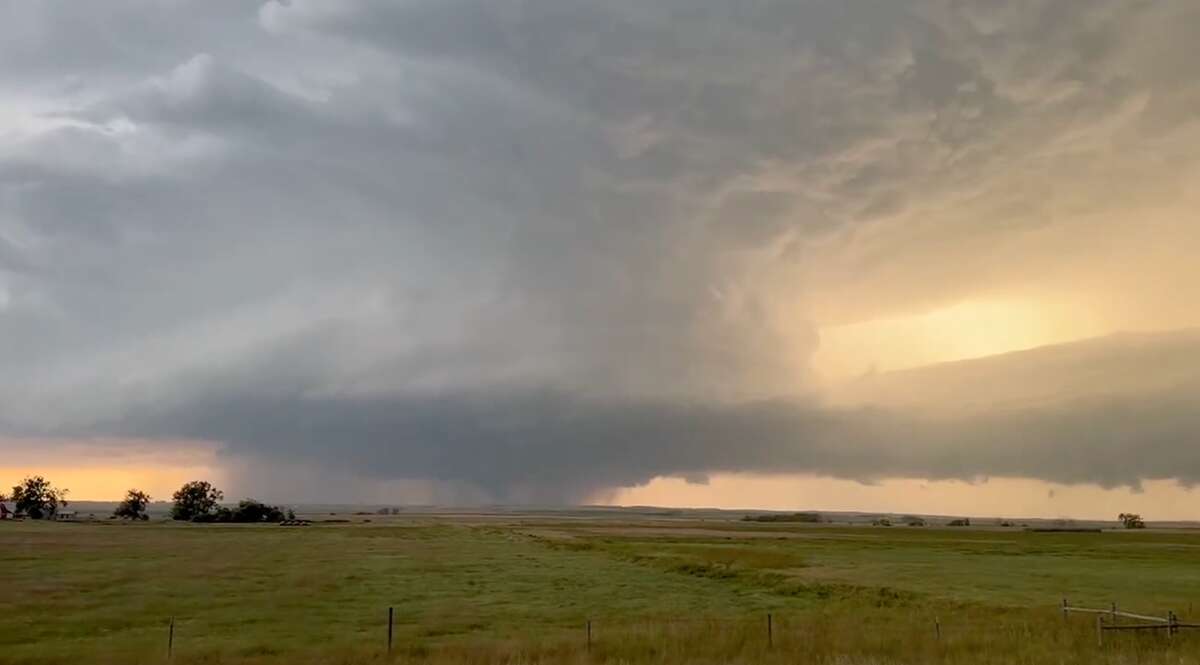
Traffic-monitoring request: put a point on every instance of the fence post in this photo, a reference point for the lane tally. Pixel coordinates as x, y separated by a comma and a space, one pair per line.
937, 629
1099, 630
1065, 610
1114, 613
171, 639
589, 635
770, 632
391, 614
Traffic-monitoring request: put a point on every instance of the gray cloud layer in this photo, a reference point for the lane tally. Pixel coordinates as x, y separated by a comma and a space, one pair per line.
548, 445
550, 247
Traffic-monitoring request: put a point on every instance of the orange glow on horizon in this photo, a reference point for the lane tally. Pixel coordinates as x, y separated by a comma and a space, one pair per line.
104, 469
995, 497
110, 483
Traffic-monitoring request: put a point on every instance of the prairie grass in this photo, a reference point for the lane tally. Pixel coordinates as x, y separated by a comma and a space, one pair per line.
524, 591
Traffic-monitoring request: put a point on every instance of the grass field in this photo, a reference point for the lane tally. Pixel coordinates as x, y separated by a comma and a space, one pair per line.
521, 588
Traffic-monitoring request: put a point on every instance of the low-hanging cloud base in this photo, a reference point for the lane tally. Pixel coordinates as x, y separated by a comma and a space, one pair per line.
988, 417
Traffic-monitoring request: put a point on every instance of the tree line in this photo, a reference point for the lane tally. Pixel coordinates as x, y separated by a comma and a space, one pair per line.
196, 501
199, 501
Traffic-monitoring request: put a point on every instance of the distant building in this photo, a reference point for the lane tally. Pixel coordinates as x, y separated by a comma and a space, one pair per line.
66, 515
7, 514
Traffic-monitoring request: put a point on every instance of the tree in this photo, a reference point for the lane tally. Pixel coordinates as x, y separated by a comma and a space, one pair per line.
218, 514
252, 511
38, 499
1132, 521
134, 506
248, 511
195, 499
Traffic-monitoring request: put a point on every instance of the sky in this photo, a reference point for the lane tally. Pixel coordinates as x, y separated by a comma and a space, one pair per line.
917, 255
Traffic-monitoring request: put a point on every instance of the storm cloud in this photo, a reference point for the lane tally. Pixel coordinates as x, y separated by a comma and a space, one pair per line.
548, 248
522, 444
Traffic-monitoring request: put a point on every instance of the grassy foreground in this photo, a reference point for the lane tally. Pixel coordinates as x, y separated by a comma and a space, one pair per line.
523, 589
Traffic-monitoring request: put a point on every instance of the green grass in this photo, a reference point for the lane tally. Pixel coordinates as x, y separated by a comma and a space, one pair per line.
523, 590
1006, 568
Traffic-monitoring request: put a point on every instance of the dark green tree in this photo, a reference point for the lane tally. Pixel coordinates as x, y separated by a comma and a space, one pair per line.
1132, 521
196, 499
38, 499
134, 506
253, 511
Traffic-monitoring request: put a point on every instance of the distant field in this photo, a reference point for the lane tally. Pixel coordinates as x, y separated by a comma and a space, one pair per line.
521, 588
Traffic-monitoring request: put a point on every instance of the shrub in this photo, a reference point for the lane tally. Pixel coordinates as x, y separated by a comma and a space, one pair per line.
251, 511
1132, 521
219, 514
248, 511
805, 517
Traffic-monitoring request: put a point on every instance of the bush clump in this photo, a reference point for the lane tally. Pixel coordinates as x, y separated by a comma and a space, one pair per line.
806, 517
248, 511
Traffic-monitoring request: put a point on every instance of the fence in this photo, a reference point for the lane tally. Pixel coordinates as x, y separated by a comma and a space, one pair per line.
1169, 623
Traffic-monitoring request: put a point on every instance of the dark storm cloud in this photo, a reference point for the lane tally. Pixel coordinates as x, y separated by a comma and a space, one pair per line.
558, 246
550, 445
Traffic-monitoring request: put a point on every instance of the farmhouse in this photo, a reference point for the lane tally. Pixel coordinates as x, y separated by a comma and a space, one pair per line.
5, 513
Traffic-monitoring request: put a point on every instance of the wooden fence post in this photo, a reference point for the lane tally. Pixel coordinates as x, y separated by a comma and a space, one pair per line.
1099, 630
589, 635
391, 615
937, 629
171, 639
1114, 613
770, 632
1064, 608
